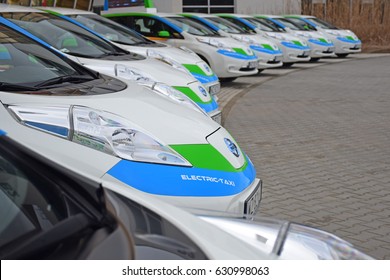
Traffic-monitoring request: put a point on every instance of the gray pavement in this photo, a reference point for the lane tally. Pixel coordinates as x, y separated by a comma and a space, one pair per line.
319, 136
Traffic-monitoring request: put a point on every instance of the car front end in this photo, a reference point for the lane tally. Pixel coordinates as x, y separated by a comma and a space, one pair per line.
123, 128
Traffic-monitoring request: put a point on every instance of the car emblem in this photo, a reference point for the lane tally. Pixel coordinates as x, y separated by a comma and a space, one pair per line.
232, 147
203, 90
208, 70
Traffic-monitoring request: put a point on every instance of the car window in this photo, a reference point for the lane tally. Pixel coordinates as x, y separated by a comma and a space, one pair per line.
303, 24
242, 25
28, 204
24, 62
262, 25
290, 24
111, 30
148, 26
63, 35
227, 26
193, 26
323, 24
151, 27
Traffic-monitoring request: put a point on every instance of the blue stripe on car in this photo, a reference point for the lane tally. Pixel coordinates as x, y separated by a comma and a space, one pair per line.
172, 180
294, 46
264, 50
318, 42
346, 40
62, 131
209, 107
204, 79
237, 55
2, 132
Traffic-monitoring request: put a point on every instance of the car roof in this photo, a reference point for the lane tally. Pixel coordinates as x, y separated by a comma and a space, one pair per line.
66, 11
236, 15
202, 15
5, 8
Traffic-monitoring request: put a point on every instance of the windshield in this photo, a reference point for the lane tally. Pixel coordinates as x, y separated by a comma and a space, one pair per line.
323, 24
26, 63
227, 26
240, 24
64, 35
112, 30
261, 25
193, 27
275, 26
286, 22
303, 25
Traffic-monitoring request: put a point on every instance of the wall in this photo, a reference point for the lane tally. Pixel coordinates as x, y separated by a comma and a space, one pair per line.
274, 7
169, 6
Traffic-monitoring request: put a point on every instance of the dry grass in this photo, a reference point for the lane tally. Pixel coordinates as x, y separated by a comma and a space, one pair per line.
370, 20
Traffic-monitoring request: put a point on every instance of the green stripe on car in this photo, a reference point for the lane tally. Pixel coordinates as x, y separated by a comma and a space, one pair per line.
207, 157
192, 95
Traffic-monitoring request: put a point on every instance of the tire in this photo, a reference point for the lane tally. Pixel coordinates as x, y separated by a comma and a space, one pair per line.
342, 55
287, 64
227, 80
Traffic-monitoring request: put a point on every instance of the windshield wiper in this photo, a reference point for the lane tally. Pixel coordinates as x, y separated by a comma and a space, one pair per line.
64, 79
15, 87
111, 53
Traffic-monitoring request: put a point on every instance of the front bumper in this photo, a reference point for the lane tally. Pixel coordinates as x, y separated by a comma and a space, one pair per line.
320, 49
229, 65
294, 53
344, 45
268, 58
192, 187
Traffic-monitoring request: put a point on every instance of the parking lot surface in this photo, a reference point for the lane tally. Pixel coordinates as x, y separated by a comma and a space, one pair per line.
319, 136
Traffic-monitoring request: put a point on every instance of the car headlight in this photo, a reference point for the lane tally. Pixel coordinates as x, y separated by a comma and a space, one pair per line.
324, 245
177, 96
305, 34
162, 89
353, 35
157, 55
215, 43
276, 36
244, 39
187, 50
99, 130
332, 32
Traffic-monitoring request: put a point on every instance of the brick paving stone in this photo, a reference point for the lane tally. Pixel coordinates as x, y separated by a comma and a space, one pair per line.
319, 137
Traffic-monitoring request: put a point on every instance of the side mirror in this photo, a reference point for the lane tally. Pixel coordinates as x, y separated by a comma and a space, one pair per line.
164, 34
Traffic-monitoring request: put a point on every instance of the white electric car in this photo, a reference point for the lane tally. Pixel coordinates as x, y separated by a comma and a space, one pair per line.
269, 54
99, 54
294, 49
51, 210
122, 132
320, 44
227, 57
183, 59
346, 42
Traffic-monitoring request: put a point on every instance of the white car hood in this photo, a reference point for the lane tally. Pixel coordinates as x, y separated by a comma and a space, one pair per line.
171, 52
158, 71
169, 122
284, 36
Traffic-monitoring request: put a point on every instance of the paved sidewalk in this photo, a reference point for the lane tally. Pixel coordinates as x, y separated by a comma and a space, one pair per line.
319, 136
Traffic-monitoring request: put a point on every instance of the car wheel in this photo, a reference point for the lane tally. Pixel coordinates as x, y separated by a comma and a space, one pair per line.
287, 64
342, 55
227, 80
